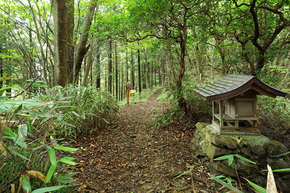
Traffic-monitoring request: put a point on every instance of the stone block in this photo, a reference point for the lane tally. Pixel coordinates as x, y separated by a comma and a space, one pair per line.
225, 141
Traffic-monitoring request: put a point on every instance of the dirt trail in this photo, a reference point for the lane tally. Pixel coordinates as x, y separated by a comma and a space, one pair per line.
134, 156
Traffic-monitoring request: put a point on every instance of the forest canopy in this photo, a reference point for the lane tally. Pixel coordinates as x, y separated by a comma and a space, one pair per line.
109, 43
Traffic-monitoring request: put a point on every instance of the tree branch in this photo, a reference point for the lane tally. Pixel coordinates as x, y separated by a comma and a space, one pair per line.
256, 25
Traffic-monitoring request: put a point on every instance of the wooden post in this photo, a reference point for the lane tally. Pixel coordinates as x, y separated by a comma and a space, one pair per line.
128, 92
221, 114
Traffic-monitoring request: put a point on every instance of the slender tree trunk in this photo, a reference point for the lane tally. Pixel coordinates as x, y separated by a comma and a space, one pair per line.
82, 48
155, 76
98, 67
181, 100
110, 67
161, 70
132, 70
144, 70
122, 81
90, 61
127, 67
63, 15
139, 72
1, 68
152, 74
116, 68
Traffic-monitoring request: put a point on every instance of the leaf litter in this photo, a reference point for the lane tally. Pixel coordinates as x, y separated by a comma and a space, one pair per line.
135, 156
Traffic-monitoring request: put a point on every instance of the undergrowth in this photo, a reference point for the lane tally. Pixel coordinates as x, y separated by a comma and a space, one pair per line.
32, 136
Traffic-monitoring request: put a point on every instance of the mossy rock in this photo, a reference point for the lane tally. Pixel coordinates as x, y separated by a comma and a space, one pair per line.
225, 141
258, 144
220, 166
201, 125
278, 163
246, 152
275, 148
211, 150
247, 168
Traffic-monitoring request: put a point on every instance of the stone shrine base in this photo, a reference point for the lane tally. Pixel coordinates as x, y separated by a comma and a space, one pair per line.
208, 143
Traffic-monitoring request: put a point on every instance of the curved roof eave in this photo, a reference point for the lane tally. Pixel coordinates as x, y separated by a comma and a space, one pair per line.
234, 88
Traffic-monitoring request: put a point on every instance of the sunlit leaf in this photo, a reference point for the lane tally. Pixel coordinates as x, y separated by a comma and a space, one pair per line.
52, 157
67, 160
9, 132
50, 172
282, 170
25, 184
48, 189
258, 188
245, 159
69, 149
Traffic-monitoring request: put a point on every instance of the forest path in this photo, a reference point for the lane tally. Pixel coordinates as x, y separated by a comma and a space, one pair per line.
135, 156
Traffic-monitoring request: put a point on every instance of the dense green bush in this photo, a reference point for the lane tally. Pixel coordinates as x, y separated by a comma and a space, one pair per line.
274, 118
195, 103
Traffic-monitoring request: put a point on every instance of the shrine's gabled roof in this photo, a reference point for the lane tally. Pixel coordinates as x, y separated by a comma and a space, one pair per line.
236, 84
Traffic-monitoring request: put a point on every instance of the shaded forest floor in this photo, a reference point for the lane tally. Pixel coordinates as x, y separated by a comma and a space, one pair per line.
134, 156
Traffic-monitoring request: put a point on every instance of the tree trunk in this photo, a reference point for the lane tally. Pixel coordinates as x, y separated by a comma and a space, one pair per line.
181, 100
82, 48
70, 39
98, 67
90, 61
122, 81
132, 70
127, 67
61, 27
110, 61
152, 74
116, 68
1, 70
61, 6
260, 63
139, 72
144, 70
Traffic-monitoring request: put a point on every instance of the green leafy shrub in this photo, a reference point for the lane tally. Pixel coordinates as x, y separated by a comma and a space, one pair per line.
274, 117
198, 108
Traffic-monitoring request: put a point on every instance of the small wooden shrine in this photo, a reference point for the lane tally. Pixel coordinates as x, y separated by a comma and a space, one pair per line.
234, 102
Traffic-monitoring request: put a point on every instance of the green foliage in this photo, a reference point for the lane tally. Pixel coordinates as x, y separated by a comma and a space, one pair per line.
163, 96
78, 109
31, 127
228, 185
194, 102
274, 113
230, 158
257, 187
282, 170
